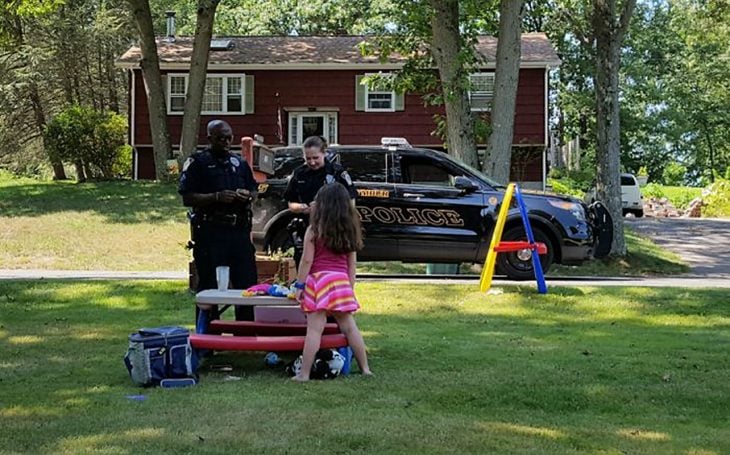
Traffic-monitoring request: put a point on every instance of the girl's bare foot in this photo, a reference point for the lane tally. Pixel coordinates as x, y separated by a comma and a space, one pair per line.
298, 378
367, 373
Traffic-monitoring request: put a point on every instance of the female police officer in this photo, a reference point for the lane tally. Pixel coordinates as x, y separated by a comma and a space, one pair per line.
218, 187
308, 178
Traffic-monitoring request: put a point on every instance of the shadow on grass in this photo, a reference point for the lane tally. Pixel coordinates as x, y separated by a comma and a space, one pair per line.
579, 370
118, 202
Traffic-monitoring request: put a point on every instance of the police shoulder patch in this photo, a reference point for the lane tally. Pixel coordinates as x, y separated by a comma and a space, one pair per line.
235, 161
187, 163
346, 177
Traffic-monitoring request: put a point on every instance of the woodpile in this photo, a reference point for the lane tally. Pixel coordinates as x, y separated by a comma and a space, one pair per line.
662, 208
695, 209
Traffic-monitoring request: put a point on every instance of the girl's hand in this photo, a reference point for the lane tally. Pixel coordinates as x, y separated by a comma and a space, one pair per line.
298, 295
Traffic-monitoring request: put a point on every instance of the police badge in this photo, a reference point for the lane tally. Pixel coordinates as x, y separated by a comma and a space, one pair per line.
235, 161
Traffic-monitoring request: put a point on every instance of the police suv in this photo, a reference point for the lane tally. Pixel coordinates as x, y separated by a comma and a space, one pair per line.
421, 205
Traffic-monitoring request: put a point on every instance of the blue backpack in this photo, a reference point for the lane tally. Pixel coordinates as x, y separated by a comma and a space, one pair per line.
160, 353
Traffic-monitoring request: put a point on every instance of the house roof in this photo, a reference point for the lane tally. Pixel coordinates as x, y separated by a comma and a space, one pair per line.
318, 52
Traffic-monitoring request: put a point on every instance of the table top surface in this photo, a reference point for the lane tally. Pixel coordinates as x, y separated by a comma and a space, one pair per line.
235, 297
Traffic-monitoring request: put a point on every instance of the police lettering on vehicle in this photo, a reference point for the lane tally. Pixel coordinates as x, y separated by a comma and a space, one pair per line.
410, 216
373, 193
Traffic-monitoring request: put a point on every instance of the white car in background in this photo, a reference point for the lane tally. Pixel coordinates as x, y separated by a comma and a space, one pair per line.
631, 198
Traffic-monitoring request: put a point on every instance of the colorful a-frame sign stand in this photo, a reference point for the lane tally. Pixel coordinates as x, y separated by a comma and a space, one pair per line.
496, 246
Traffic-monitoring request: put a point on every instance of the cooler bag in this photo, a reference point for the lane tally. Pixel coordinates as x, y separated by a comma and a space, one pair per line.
160, 353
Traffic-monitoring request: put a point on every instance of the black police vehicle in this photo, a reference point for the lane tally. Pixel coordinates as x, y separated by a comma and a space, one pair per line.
421, 205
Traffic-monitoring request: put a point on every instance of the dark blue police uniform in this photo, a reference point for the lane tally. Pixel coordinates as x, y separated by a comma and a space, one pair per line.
305, 182
221, 232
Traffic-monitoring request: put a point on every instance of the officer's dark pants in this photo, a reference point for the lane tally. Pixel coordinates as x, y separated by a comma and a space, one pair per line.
216, 245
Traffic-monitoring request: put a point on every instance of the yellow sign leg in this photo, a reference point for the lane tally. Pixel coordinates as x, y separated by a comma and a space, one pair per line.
488, 271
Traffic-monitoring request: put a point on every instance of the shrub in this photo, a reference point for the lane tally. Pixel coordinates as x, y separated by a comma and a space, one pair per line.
653, 190
674, 174
83, 135
717, 200
566, 186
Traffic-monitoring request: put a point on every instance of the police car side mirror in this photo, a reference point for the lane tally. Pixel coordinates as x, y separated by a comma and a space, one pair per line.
465, 184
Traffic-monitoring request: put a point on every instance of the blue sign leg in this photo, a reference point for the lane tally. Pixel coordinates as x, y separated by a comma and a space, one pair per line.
536, 265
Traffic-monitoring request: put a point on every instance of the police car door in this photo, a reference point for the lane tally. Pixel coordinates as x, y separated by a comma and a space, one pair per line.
439, 222
371, 172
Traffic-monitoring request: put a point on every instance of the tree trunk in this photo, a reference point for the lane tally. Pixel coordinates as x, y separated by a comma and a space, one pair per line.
609, 33
59, 173
155, 94
497, 163
711, 148
445, 47
196, 79
111, 80
80, 172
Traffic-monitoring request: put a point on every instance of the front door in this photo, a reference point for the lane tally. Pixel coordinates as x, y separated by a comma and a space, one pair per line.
305, 124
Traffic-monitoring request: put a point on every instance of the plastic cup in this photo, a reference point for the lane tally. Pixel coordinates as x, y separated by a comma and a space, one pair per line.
223, 275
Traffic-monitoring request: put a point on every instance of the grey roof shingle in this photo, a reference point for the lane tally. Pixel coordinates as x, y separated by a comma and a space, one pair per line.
325, 50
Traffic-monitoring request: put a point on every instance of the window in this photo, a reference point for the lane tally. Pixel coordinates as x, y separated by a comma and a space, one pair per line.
364, 166
628, 180
305, 124
286, 160
379, 99
178, 88
482, 91
419, 171
223, 94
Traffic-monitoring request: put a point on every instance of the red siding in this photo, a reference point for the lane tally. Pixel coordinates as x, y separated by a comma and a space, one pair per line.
336, 89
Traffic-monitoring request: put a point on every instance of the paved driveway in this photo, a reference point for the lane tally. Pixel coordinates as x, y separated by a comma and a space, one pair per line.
703, 243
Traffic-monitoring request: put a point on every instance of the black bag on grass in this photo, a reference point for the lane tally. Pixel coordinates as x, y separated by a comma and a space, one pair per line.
160, 353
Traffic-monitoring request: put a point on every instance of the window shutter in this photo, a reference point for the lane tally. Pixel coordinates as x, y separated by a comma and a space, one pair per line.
399, 102
359, 94
249, 94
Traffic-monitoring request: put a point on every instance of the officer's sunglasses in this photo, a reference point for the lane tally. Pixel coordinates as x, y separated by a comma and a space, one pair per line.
223, 137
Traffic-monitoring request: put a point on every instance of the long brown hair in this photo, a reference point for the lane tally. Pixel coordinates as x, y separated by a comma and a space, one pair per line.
335, 220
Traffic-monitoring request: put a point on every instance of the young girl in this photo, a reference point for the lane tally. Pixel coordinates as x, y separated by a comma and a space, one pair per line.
327, 274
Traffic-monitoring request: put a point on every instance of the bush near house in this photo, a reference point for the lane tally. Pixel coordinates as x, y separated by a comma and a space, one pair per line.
93, 139
717, 201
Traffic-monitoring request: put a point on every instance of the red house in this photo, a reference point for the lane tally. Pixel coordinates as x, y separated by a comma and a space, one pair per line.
286, 88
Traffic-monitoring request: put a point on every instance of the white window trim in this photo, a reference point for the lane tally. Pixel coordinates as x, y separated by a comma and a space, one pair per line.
482, 109
224, 94
330, 127
378, 92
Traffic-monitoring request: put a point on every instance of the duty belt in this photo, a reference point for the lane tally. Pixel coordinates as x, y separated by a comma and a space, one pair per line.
224, 219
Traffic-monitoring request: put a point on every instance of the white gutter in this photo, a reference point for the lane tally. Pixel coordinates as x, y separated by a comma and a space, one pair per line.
307, 66
135, 158
133, 119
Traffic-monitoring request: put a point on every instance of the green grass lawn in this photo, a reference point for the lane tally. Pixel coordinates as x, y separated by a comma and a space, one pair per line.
580, 370
141, 226
125, 226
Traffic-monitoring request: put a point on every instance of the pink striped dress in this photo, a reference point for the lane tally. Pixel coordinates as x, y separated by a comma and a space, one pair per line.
328, 284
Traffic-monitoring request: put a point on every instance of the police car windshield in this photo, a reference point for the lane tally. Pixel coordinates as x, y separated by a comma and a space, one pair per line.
479, 174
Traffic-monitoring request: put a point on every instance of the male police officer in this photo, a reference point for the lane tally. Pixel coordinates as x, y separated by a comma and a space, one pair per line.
219, 187
308, 178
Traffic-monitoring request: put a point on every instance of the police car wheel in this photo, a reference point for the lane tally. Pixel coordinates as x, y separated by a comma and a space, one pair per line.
518, 265
281, 241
